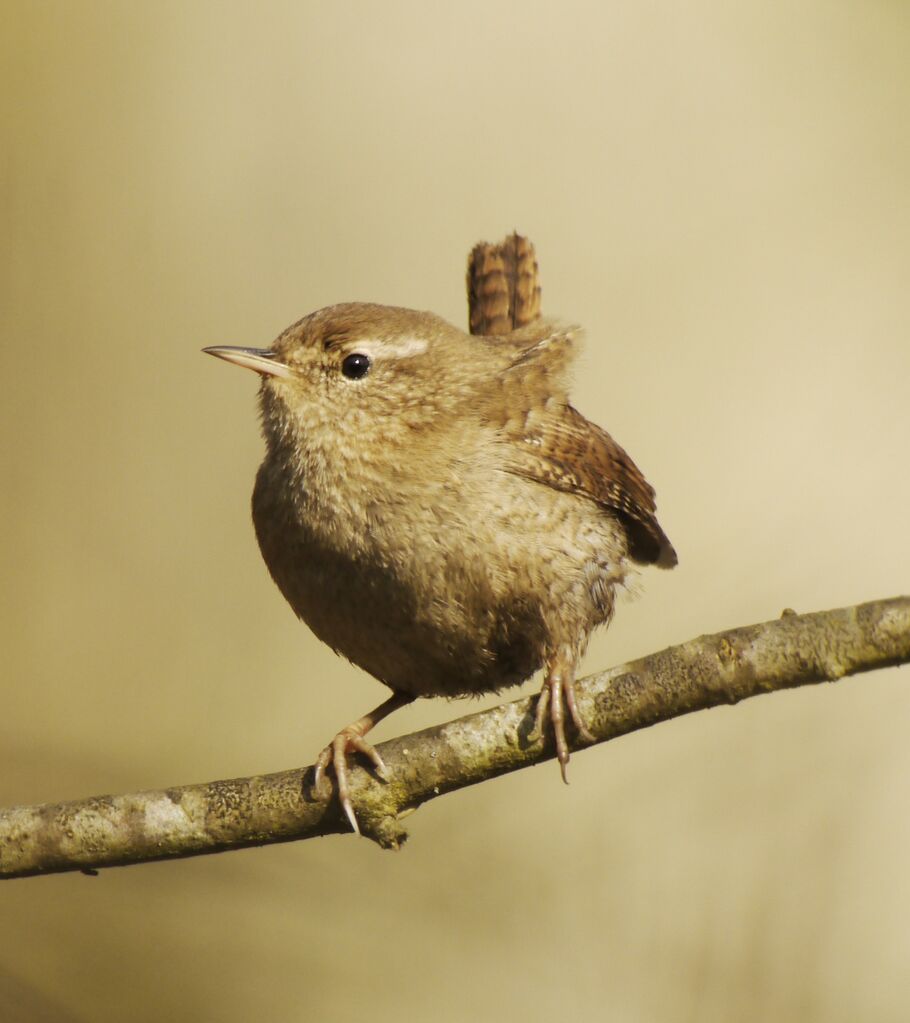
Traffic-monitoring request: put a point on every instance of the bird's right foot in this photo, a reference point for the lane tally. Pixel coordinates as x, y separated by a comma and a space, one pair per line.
556, 696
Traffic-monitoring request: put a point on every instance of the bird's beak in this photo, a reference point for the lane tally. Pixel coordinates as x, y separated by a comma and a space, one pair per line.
260, 360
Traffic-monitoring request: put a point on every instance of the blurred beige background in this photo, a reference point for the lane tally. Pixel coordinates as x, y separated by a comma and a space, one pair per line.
721, 194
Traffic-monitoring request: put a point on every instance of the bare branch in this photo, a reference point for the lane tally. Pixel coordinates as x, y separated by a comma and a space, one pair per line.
794, 650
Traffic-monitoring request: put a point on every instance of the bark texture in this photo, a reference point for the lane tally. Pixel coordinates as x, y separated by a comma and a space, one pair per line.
191, 820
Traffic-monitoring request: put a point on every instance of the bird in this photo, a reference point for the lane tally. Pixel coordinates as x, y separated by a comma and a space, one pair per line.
435, 509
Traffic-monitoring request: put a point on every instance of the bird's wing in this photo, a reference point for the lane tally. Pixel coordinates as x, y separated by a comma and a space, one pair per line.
550, 442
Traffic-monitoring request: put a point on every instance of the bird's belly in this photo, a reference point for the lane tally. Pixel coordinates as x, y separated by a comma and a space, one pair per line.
443, 606
429, 637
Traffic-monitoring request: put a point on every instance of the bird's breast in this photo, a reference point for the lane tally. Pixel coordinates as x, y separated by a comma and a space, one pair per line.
457, 586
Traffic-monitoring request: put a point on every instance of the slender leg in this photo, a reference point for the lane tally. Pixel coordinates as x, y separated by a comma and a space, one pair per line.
559, 686
351, 740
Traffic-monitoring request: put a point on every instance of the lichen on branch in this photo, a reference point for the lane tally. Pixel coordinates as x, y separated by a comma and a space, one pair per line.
192, 820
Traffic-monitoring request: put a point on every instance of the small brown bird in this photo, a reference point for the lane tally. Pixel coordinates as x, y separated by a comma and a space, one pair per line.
435, 510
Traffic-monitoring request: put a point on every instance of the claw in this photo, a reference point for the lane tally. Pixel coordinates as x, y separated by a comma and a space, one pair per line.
574, 713
563, 769
339, 748
542, 702
358, 743
557, 694
348, 740
320, 783
351, 740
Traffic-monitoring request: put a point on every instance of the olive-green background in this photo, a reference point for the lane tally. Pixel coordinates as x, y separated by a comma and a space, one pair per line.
720, 193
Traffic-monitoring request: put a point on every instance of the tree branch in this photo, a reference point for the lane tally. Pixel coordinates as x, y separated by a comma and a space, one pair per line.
191, 820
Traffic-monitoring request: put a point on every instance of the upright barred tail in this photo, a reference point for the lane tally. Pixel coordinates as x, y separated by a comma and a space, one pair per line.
503, 286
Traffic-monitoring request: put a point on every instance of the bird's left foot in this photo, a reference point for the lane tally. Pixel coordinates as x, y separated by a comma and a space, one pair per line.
351, 740
557, 695
348, 740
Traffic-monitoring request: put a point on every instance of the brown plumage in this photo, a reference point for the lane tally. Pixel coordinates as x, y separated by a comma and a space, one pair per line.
555, 445
503, 288
432, 506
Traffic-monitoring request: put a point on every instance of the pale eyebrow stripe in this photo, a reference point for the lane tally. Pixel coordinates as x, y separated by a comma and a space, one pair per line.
406, 347
401, 349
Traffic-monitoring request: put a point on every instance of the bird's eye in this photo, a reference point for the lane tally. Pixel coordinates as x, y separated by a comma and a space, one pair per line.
355, 366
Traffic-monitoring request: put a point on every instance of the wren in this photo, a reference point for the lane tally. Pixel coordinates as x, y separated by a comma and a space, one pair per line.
434, 508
